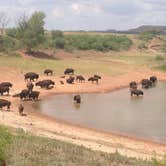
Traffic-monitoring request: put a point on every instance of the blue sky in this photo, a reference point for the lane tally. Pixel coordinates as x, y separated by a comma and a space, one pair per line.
90, 14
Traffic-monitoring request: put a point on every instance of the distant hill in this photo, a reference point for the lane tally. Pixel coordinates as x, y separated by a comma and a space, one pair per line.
159, 29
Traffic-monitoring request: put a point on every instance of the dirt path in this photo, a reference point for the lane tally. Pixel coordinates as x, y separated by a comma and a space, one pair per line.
43, 126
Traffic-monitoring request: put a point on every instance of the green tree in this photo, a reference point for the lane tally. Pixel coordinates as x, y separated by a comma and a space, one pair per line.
31, 31
59, 42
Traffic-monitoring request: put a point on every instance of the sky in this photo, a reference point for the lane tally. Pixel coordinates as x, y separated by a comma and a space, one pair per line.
90, 14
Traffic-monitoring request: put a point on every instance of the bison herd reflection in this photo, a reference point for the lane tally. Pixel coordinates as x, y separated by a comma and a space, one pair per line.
30, 94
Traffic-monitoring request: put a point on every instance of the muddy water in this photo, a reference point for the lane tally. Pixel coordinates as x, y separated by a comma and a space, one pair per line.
144, 117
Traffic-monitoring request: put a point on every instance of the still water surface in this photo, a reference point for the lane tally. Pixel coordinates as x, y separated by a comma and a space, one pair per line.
117, 112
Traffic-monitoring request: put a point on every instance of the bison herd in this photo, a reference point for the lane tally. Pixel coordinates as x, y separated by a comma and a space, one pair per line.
30, 77
30, 94
146, 84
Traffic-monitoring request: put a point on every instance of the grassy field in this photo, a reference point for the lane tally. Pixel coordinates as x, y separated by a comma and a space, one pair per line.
108, 64
27, 150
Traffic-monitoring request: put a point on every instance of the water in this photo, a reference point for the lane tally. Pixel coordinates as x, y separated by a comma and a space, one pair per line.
144, 117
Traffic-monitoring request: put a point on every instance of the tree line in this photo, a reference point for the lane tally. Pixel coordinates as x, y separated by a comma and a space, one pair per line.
29, 34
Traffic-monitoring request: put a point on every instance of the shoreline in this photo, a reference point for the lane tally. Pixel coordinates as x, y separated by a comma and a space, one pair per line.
42, 125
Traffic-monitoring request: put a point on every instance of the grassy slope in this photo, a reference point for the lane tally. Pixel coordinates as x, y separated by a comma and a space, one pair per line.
29, 150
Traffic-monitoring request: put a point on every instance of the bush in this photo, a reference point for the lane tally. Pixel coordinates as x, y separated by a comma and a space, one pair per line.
147, 35
98, 42
59, 42
159, 58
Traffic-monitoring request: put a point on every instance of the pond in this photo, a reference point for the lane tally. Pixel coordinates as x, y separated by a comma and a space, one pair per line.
115, 112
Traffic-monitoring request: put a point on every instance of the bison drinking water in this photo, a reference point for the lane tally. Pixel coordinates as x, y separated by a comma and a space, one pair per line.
5, 103
69, 71
48, 71
137, 92
31, 76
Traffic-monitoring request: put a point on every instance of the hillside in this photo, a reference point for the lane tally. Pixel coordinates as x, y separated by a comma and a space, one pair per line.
140, 29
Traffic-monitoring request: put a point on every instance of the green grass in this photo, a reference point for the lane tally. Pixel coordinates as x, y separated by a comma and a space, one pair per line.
27, 150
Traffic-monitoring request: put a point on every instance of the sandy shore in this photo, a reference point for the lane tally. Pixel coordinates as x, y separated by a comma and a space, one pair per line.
93, 139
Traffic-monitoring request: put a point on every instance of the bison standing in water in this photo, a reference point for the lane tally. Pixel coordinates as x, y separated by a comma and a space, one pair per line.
69, 71
48, 71
153, 79
77, 99
137, 92
5, 103
146, 83
31, 76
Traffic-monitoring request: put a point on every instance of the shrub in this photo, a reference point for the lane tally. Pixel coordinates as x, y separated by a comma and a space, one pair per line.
142, 46
147, 35
159, 58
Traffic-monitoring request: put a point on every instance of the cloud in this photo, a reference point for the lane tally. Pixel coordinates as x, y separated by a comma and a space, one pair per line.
91, 14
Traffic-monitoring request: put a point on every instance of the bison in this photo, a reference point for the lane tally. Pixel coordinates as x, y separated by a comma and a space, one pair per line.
70, 80
77, 98
7, 84
93, 79
80, 78
69, 71
34, 95
146, 83
45, 83
48, 71
137, 92
97, 76
5, 103
31, 76
133, 85
4, 89
23, 94
153, 79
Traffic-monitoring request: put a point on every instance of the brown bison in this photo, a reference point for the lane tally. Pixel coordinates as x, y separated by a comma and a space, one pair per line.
77, 98
137, 92
48, 71
133, 85
80, 78
45, 83
5, 103
97, 76
69, 71
93, 79
31, 76
146, 83
34, 95
70, 80
153, 79
4, 89
7, 84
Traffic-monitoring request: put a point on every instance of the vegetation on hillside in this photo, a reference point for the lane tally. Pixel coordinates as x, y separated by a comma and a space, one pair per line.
25, 149
29, 33
147, 35
5, 141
